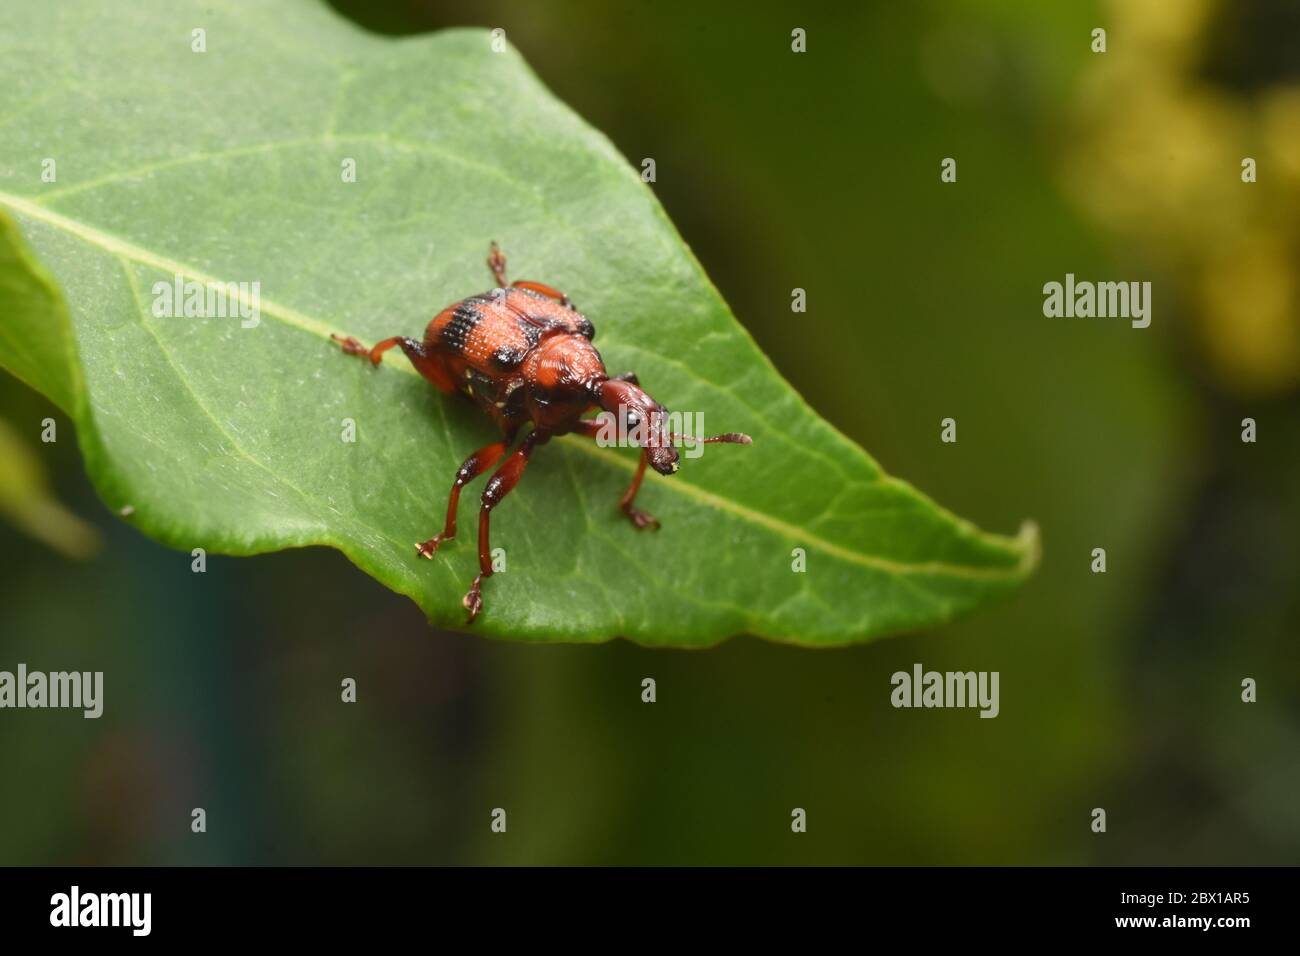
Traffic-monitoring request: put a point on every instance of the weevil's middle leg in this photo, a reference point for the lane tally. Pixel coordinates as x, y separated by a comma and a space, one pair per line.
499, 485
424, 361
474, 465
590, 428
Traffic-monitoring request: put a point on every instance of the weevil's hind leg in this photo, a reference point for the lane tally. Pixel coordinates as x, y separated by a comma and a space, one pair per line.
500, 484
590, 428
546, 290
496, 261
474, 465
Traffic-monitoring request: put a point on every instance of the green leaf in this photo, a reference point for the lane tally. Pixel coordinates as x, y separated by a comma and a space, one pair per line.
36, 342
225, 166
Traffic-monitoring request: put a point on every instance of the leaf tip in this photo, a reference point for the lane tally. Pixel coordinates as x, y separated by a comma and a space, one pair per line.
1029, 542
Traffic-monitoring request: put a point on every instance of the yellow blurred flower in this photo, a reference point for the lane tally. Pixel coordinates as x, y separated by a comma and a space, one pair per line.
1158, 161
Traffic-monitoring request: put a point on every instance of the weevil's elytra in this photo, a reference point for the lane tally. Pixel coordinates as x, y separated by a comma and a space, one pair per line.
523, 354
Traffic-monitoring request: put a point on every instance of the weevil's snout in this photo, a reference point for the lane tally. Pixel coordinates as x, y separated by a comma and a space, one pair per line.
663, 459
657, 441
643, 421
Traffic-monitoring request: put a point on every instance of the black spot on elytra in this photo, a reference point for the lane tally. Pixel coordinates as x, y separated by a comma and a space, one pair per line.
506, 358
455, 334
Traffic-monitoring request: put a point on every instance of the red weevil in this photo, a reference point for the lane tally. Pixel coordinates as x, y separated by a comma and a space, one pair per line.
522, 353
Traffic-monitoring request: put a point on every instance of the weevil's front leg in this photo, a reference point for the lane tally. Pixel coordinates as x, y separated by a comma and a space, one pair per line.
637, 516
506, 477
474, 465
590, 428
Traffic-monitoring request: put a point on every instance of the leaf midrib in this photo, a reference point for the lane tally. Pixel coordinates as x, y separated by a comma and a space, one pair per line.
293, 317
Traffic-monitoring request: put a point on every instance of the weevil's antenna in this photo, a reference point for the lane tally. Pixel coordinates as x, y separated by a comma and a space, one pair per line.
731, 438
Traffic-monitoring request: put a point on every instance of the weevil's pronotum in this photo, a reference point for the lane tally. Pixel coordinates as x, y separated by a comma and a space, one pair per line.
523, 353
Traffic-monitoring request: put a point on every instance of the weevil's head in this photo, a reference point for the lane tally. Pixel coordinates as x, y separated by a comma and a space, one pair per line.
643, 420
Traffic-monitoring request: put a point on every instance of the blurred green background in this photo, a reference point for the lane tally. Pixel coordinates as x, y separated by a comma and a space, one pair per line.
820, 171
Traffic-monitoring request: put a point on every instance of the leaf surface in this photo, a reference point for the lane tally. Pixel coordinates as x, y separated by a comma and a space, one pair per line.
226, 166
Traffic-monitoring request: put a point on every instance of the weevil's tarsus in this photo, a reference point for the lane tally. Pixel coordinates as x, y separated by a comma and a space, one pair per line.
496, 261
